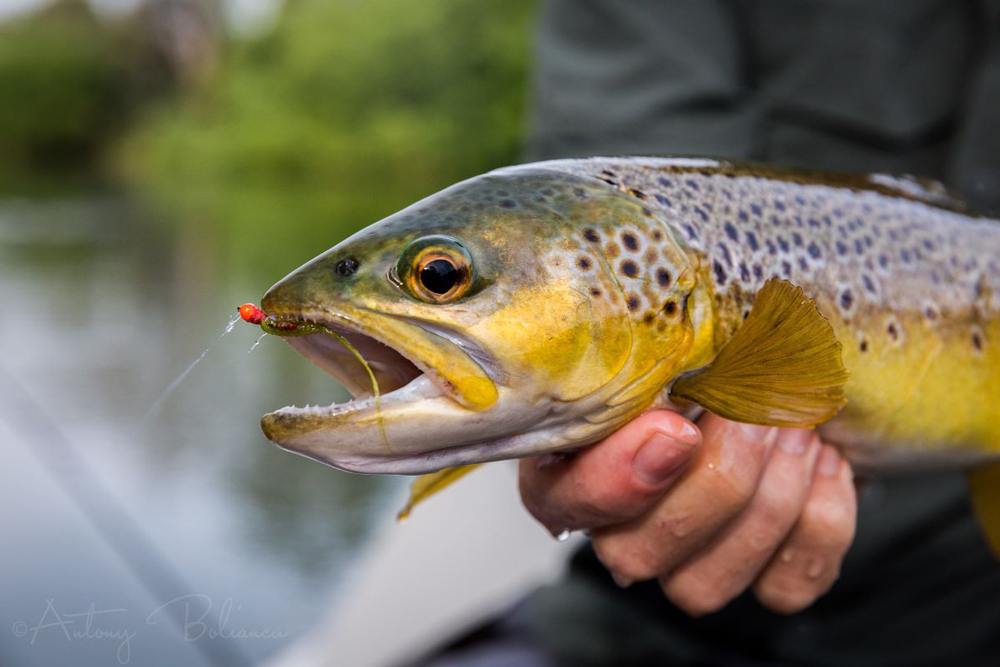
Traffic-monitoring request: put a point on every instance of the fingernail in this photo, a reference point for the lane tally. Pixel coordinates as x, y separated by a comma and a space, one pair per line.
829, 462
660, 458
686, 433
794, 440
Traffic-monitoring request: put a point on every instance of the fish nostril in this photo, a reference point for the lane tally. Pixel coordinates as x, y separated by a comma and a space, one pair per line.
347, 266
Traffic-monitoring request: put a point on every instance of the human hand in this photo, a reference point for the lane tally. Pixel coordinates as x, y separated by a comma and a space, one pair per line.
708, 512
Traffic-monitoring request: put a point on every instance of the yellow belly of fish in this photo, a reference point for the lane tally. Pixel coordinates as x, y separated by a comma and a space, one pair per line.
920, 393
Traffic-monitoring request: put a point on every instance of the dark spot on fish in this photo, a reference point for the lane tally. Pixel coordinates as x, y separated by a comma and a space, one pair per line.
591, 235
650, 256
758, 272
755, 209
584, 263
869, 285
977, 342
883, 261
690, 231
863, 346
612, 250
752, 241
813, 222
663, 277
731, 231
841, 248
720, 274
704, 216
746, 314
744, 272
663, 200
629, 268
647, 212
508, 203
742, 215
846, 299
670, 307
657, 235
725, 254
779, 205
892, 331
814, 250
595, 292
632, 301
580, 194
664, 182
637, 193
786, 268
930, 313
905, 255
691, 183
797, 238
630, 241
648, 317
771, 249
803, 264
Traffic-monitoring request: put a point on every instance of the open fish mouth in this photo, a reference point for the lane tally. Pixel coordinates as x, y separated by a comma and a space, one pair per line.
427, 379
391, 369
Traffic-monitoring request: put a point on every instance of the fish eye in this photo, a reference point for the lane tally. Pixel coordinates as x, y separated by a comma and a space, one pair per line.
436, 269
439, 275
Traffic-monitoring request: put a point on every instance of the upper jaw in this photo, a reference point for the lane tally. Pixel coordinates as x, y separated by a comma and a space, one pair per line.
445, 361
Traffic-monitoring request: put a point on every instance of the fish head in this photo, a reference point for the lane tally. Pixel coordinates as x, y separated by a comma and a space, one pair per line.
493, 325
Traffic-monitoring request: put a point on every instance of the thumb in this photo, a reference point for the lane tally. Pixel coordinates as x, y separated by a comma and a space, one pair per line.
616, 480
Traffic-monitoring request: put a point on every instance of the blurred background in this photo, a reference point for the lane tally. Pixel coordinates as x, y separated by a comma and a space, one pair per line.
162, 161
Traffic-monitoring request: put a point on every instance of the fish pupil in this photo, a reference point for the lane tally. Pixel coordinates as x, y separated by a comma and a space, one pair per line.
439, 276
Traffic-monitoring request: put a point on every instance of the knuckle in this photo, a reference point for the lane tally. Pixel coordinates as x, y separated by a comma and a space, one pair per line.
786, 597
625, 560
828, 524
735, 487
694, 596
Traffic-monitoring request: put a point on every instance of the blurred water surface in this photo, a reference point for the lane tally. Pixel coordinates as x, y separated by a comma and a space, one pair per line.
106, 299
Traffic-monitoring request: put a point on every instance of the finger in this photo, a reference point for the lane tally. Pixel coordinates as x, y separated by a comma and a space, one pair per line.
728, 566
713, 491
616, 480
808, 562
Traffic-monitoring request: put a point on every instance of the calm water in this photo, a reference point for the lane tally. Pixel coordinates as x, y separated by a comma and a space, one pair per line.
108, 520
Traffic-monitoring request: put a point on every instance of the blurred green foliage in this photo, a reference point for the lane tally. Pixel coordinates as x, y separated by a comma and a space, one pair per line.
343, 113
351, 93
68, 86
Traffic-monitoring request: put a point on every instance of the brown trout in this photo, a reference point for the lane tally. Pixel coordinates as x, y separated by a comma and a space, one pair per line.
538, 308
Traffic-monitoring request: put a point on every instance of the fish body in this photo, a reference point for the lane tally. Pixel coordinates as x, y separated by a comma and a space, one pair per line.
538, 308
